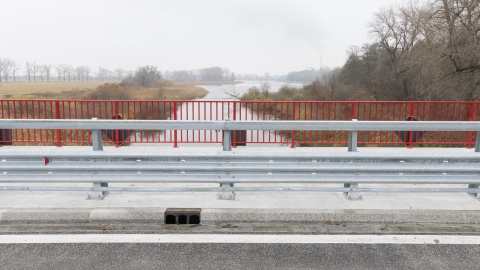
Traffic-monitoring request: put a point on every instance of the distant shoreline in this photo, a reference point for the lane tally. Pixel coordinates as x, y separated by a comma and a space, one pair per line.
210, 82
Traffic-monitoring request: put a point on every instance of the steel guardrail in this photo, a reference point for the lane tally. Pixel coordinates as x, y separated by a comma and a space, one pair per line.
21, 169
241, 125
228, 126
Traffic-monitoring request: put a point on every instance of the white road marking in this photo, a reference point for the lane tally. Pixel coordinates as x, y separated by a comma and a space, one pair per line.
240, 238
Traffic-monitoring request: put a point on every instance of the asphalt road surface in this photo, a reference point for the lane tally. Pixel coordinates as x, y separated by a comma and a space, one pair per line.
177, 251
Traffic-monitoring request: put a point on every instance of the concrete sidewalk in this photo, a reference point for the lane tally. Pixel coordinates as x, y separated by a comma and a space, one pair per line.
72, 207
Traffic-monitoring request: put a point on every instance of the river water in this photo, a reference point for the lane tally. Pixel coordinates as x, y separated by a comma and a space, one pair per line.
220, 91
217, 106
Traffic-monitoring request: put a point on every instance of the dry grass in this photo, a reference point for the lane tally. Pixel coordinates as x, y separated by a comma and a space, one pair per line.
28, 89
80, 90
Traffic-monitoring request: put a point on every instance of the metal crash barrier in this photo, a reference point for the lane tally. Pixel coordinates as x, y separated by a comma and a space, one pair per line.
226, 172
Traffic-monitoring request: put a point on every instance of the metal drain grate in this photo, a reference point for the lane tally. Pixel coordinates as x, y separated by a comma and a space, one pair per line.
182, 215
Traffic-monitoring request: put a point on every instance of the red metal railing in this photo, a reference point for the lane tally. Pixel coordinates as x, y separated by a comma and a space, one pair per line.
237, 110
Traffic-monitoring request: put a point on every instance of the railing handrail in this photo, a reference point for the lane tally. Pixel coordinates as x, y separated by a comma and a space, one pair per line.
240, 125
243, 101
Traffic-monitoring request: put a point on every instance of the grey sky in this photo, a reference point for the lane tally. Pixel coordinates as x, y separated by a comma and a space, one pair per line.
246, 36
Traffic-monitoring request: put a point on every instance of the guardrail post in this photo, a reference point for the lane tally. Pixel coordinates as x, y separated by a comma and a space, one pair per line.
477, 144
224, 194
352, 147
352, 140
227, 143
352, 195
97, 139
475, 195
97, 195
97, 146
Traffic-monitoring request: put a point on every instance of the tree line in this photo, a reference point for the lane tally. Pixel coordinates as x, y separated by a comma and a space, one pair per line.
205, 74
10, 70
427, 50
421, 50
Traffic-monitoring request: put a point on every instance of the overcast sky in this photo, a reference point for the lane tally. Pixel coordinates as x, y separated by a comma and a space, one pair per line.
246, 36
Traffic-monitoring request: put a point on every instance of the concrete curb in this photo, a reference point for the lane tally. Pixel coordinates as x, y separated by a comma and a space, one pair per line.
340, 216
210, 215
82, 215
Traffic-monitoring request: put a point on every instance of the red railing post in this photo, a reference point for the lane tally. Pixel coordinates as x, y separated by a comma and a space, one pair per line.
410, 139
352, 116
175, 140
116, 116
116, 108
57, 116
353, 111
234, 132
470, 133
293, 131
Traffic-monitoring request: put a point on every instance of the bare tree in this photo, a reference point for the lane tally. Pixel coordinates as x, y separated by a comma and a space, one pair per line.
41, 72
87, 72
332, 80
7, 65
461, 19
182, 75
102, 74
212, 74
70, 72
105, 74
79, 71
28, 70
15, 69
47, 70
119, 74
63, 68
147, 76
35, 69
398, 32
433, 47
58, 69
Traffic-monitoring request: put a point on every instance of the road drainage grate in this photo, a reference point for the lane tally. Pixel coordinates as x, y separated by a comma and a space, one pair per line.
182, 215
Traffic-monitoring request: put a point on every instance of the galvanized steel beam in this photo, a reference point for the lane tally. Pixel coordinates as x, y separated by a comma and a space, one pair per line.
241, 125
243, 189
238, 178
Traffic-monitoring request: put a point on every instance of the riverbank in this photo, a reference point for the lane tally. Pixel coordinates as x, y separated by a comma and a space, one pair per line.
81, 90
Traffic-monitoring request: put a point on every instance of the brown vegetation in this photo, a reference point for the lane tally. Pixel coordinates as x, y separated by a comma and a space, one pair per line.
154, 109
31, 90
313, 91
428, 50
98, 90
